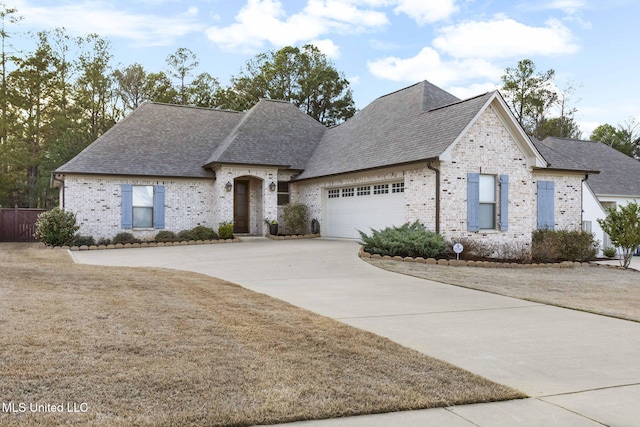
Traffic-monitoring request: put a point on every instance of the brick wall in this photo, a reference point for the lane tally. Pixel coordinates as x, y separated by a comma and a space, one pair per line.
96, 201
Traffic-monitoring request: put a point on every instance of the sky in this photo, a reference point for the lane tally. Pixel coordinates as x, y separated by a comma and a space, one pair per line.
462, 46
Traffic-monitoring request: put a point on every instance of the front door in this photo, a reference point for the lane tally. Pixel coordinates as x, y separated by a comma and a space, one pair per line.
241, 207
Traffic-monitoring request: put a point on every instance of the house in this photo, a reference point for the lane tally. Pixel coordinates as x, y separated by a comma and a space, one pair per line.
464, 168
617, 183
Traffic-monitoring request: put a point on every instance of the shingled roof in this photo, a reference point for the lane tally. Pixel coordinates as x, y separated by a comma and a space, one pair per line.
157, 140
557, 160
412, 124
619, 174
271, 133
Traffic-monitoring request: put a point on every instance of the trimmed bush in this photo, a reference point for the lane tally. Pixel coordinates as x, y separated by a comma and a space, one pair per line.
56, 227
610, 252
79, 240
409, 240
203, 233
104, 242
296, 217
563, 245
165, 236
185, 235
124, 237
225, 230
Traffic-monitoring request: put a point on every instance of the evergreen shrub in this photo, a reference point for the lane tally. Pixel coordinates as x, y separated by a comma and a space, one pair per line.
56, 227
408, 240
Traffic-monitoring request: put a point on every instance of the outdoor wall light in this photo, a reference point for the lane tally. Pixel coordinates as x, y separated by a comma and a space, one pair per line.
229, 186
272, 186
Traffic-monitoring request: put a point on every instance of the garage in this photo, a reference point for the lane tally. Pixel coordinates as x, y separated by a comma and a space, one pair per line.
361, 207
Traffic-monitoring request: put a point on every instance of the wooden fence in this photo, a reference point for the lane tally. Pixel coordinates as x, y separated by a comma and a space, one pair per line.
18, 224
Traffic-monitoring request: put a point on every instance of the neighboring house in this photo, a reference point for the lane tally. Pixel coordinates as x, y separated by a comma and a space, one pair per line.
463, 168
618, 182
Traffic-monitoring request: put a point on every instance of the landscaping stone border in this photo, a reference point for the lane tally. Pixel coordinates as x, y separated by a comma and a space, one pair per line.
293, 236
484, 264
145, 245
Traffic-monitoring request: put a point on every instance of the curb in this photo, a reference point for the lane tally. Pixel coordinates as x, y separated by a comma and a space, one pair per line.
293, 236
485, 264
145, 245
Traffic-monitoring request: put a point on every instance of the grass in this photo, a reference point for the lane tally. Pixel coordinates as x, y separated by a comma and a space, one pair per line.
164, 347
608, 291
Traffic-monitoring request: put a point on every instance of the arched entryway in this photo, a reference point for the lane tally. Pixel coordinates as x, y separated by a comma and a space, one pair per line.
247, 205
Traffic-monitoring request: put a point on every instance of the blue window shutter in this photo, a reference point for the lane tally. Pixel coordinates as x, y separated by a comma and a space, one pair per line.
473, 201
546, 205
504, 202
127, 206
158, 206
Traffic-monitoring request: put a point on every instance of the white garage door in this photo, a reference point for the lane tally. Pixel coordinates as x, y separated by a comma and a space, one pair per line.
362, 207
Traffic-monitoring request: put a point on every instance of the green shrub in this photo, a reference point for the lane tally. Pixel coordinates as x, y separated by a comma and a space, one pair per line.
56, 227
124, 237
609, 252
203, 233
165, 236
79, 240
410, 240
296, 217
185, 235
104, 241
563, 245
225, 230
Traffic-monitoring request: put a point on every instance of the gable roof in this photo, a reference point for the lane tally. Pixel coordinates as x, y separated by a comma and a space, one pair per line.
418, 123
157, 140
557, 160
271, 133
619, 174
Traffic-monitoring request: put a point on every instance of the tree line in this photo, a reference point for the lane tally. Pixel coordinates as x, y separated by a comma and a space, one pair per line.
544, 110
66, 92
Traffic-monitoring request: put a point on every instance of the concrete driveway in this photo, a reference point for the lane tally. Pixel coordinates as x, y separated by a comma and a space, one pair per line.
580, 369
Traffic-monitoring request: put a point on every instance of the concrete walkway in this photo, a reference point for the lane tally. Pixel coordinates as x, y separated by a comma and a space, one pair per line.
580, 369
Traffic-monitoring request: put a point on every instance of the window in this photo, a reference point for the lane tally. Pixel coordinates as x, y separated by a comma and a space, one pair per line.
586, 226
364, 191
142, 206
381, 189
348, 192
483, 200
334, 194
283, 193
487, 211
142, 203
397, 187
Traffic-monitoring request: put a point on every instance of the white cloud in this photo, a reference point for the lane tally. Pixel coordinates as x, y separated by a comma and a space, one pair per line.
427, 64
567, 6
425, 11
265, 21
464, 92
505, 38
143, 29
328, 47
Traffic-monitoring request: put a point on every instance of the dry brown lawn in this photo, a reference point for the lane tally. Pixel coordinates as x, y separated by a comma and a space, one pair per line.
162, 347
608, 291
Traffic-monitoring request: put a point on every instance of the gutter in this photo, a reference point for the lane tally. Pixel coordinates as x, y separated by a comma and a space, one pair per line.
437, 171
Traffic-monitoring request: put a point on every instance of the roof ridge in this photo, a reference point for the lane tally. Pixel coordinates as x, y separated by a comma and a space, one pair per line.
194, 107
461, 101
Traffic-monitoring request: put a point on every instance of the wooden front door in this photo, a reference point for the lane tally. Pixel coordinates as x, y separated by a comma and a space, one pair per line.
241, 207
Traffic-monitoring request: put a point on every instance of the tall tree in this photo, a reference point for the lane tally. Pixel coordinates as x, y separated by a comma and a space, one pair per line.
181, 63
130, 86
624, 138
94, 86
529, 94
303, 76
203, 91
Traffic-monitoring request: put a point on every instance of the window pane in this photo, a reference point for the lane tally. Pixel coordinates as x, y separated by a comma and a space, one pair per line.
487, 188
283, 186
283, 199
143, 195
487, 215
142, 217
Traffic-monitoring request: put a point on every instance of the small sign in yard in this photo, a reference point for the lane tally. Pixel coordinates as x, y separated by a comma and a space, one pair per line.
458, 248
